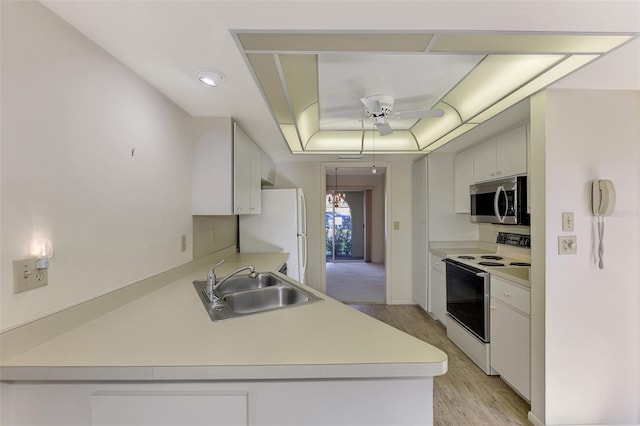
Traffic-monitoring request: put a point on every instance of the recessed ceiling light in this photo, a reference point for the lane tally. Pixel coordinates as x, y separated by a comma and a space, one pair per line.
210, 78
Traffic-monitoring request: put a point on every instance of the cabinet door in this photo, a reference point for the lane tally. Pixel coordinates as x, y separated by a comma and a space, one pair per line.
511, 152
437, 289
242, 171
212, 178
255, 187
463, 178
484, 161
420, 238
115, 409
510, 346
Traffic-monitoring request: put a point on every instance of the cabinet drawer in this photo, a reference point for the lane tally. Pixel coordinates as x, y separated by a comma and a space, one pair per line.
511, 294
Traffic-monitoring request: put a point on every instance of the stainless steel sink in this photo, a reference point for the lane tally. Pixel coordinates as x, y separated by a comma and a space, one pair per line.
242, 295
247, 302
242, 283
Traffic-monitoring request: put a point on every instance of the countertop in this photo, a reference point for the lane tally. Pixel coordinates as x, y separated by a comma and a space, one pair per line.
168, 335
519, 275
444, 251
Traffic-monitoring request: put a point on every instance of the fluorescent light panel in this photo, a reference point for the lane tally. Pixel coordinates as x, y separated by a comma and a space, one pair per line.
497, 83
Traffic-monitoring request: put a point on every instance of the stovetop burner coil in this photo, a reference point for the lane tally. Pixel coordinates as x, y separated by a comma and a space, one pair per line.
490, 263
491, 257
466, 257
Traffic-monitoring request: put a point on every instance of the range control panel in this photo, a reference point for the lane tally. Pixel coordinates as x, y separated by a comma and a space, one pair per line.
517, 240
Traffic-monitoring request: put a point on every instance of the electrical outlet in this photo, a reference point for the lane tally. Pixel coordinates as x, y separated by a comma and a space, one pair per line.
568, 245
183, 243
27, 277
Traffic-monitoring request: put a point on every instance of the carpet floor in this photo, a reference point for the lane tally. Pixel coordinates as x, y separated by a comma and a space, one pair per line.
356, 282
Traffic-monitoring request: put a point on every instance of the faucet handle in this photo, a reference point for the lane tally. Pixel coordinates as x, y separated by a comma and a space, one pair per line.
212, 271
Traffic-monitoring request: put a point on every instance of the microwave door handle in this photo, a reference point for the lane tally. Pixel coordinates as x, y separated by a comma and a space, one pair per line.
496, 198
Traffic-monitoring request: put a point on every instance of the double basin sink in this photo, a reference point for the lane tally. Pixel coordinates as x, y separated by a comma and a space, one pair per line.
242, 295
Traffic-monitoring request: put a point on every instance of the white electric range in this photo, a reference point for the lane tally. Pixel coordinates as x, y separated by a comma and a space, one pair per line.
468, 293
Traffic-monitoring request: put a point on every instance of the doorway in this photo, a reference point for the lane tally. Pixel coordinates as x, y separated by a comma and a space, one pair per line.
345, 226
354, 235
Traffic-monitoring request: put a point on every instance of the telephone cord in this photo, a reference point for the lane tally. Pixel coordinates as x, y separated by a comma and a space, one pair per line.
601, 242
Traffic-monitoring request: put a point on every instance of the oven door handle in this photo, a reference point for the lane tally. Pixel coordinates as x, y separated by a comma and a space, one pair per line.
473, 271
496, 199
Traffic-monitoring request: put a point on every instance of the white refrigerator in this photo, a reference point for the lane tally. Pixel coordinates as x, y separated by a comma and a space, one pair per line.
281, 227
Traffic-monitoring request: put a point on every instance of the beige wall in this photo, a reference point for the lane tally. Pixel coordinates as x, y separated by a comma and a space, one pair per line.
71, 116
585, 321
213, 233
592, 335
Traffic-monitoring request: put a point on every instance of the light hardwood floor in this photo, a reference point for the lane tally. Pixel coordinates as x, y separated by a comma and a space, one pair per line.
465, 395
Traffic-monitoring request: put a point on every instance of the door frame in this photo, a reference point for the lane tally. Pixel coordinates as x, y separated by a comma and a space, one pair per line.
387, 233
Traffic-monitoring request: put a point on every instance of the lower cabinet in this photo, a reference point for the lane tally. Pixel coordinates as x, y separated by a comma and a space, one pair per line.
511, 334
437, 289
331, 400
165, 408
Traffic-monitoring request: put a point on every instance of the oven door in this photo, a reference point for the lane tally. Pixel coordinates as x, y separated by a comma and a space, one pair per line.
468, 298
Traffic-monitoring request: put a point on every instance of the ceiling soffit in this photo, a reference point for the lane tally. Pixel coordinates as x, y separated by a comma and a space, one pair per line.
470, 76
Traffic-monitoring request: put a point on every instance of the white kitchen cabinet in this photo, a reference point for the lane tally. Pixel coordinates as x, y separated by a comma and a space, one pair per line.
502, 156
267, 170
463, 178
420, 240
246, 170
166, 408
226, 169
437, 288
511, 334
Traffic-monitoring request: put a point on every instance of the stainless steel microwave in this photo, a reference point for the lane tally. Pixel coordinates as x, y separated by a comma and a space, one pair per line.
501, 201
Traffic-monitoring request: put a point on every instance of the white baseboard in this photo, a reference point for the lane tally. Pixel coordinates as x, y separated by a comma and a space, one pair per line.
402, 302
534, 420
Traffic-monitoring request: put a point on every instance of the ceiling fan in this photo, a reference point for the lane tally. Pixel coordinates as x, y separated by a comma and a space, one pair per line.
380, 108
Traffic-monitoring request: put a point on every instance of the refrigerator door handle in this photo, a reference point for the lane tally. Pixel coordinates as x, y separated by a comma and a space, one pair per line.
302, 209
304, 252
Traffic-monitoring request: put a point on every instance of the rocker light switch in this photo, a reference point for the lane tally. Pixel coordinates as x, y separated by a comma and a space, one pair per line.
567, 221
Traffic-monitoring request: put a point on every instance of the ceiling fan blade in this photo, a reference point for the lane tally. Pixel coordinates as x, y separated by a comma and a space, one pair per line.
425, 113
384, 128
370, 104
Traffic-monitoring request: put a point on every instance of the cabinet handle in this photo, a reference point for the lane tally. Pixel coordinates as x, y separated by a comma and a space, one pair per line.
492, 174
493, 308
498, 172
506, 294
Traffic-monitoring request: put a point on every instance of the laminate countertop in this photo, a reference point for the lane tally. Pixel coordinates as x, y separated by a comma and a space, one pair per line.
168, 335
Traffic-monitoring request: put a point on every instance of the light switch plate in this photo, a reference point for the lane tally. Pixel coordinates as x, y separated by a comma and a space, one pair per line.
396, 225
26, 276
567, 221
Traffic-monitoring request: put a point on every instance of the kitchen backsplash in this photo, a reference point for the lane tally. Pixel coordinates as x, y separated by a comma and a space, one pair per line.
213, 233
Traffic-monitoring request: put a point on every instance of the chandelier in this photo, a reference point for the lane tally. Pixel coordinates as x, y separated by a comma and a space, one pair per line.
334, 197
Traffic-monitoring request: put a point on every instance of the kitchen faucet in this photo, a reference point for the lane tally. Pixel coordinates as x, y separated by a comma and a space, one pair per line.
213, 283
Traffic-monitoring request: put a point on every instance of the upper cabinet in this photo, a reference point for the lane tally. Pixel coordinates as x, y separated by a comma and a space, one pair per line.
247, 166
226, 169
503, 156
463, 178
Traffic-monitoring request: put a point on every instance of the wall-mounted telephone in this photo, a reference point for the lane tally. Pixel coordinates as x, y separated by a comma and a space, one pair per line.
603, 201
603, 197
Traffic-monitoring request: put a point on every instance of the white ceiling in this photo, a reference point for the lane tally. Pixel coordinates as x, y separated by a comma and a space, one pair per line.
167, 42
